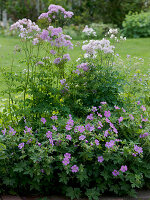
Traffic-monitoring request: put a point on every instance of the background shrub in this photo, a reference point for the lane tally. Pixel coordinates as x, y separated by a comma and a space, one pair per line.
137, 25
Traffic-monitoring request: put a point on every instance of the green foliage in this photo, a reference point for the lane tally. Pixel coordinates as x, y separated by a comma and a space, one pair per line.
137, 25
38, 165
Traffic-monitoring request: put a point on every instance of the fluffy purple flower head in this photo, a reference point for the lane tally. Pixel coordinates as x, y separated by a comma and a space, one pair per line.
123, 168
100, 159
53, 52
44, 35
82, 137
115, 173
107, 113
57, 61
43, 120
43, 15
66, 57
68, 137
74, 168
21, 145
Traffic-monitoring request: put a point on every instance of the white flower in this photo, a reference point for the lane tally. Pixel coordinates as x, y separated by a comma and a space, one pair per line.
89, 31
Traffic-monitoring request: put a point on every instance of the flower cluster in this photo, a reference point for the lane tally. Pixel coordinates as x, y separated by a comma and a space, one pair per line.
27, 29
66, 160
89, 31
94, 46
54, 11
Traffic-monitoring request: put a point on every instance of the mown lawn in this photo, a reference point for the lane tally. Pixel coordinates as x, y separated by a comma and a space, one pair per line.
133, 47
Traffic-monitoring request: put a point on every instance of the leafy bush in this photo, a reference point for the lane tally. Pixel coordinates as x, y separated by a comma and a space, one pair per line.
137, 25
79, 158
41, 150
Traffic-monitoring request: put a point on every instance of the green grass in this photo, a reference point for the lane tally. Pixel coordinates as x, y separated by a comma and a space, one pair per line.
134, 47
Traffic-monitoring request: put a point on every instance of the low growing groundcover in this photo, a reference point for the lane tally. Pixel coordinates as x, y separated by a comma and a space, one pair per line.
78, 128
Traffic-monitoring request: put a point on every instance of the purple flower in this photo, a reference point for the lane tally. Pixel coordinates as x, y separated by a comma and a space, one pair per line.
4, 131
81, 129
143, 108
82, 137
123, 168
106, 133
131, 117
29, 141
123, 110
107, 120
44, 35
138, 149
100, 125
100, 159
74, 168
115, 173
89, 127
68, 137
66, 161
144, 135
138, 102
67, 155
53, 52
120, 119
110, 144
12, 130
49, 134
43, 120
54, 117
66, 57
57, 61
103, 102
62, 81
99, 114
42, 171
115, 130
107, 113
54, 128
51, 141
116, 107
21, 145
94, 109
96, 142
90, 117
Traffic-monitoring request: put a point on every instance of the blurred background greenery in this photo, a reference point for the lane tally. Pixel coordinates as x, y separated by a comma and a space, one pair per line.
132, 17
